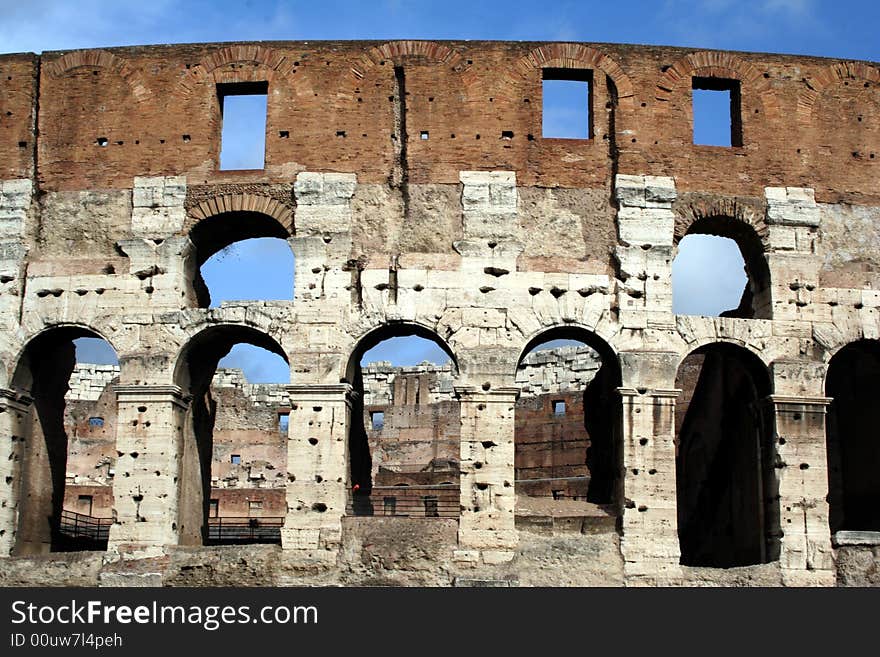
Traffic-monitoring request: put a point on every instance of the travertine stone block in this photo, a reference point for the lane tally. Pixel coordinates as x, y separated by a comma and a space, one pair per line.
158, 205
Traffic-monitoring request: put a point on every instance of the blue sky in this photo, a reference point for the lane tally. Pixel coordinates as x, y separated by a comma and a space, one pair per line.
845, 29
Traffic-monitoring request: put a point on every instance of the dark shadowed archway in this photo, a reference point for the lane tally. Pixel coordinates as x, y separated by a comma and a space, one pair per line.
43, 374
853, 434
568, 444
194, 373
726, 487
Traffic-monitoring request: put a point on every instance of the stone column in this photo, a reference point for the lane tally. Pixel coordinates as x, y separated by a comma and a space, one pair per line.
805, 550
317, 468
487, 527
650, 515
149, 472
14, 417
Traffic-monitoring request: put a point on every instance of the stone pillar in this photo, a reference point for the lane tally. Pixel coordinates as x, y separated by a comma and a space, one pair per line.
148, 479
487, 526
650, 515
14, 419
317, 468
15, 203
805, 550
792, 234
646, 226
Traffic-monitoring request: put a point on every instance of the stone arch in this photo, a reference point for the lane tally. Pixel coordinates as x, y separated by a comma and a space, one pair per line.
377, 334
243, 202
222, 220
698, 209
711, 64
42, 373
266, 64
697, 342
576, 55
727, 490
363, 473
602, 421
75, 329
744, 223
589, 336
256, 330
399, 52
101, 58
193, 372
829, 77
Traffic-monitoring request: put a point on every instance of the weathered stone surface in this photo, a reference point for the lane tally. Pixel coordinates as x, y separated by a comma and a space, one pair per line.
417, 210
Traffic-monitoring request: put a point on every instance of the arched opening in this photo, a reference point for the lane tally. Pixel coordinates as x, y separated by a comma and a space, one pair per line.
69, 448
726, 487
234, 456
567, 441
853, 383
405, 427
241, 256
720, 271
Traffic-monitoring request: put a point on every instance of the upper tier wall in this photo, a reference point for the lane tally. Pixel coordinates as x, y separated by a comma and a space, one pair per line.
805, 121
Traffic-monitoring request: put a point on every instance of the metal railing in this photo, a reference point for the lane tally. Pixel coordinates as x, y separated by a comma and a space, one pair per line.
239, 531
439, 501
78, 531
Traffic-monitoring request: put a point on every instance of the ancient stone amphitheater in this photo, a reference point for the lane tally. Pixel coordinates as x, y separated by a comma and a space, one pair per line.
420, 196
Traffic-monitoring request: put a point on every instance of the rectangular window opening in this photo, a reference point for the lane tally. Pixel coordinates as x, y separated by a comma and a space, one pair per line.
283, 422
235, 459
558, 407
84, 504
432, 506
567, 107
389, 505
255, 508
717, 112
243, 107
213, 508
377, 420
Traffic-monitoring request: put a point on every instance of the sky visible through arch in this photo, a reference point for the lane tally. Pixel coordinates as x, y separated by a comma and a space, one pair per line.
843, 29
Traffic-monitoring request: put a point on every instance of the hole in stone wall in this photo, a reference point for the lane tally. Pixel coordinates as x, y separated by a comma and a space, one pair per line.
405, 424
283, 423
708, 276
69, 373
717, 118
243, 108
720, 270
853, 440
727, 496
258, 269
567, 427
566, 110
234, 448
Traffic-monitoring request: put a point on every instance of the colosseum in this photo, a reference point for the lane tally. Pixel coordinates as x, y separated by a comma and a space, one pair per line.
421, 195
